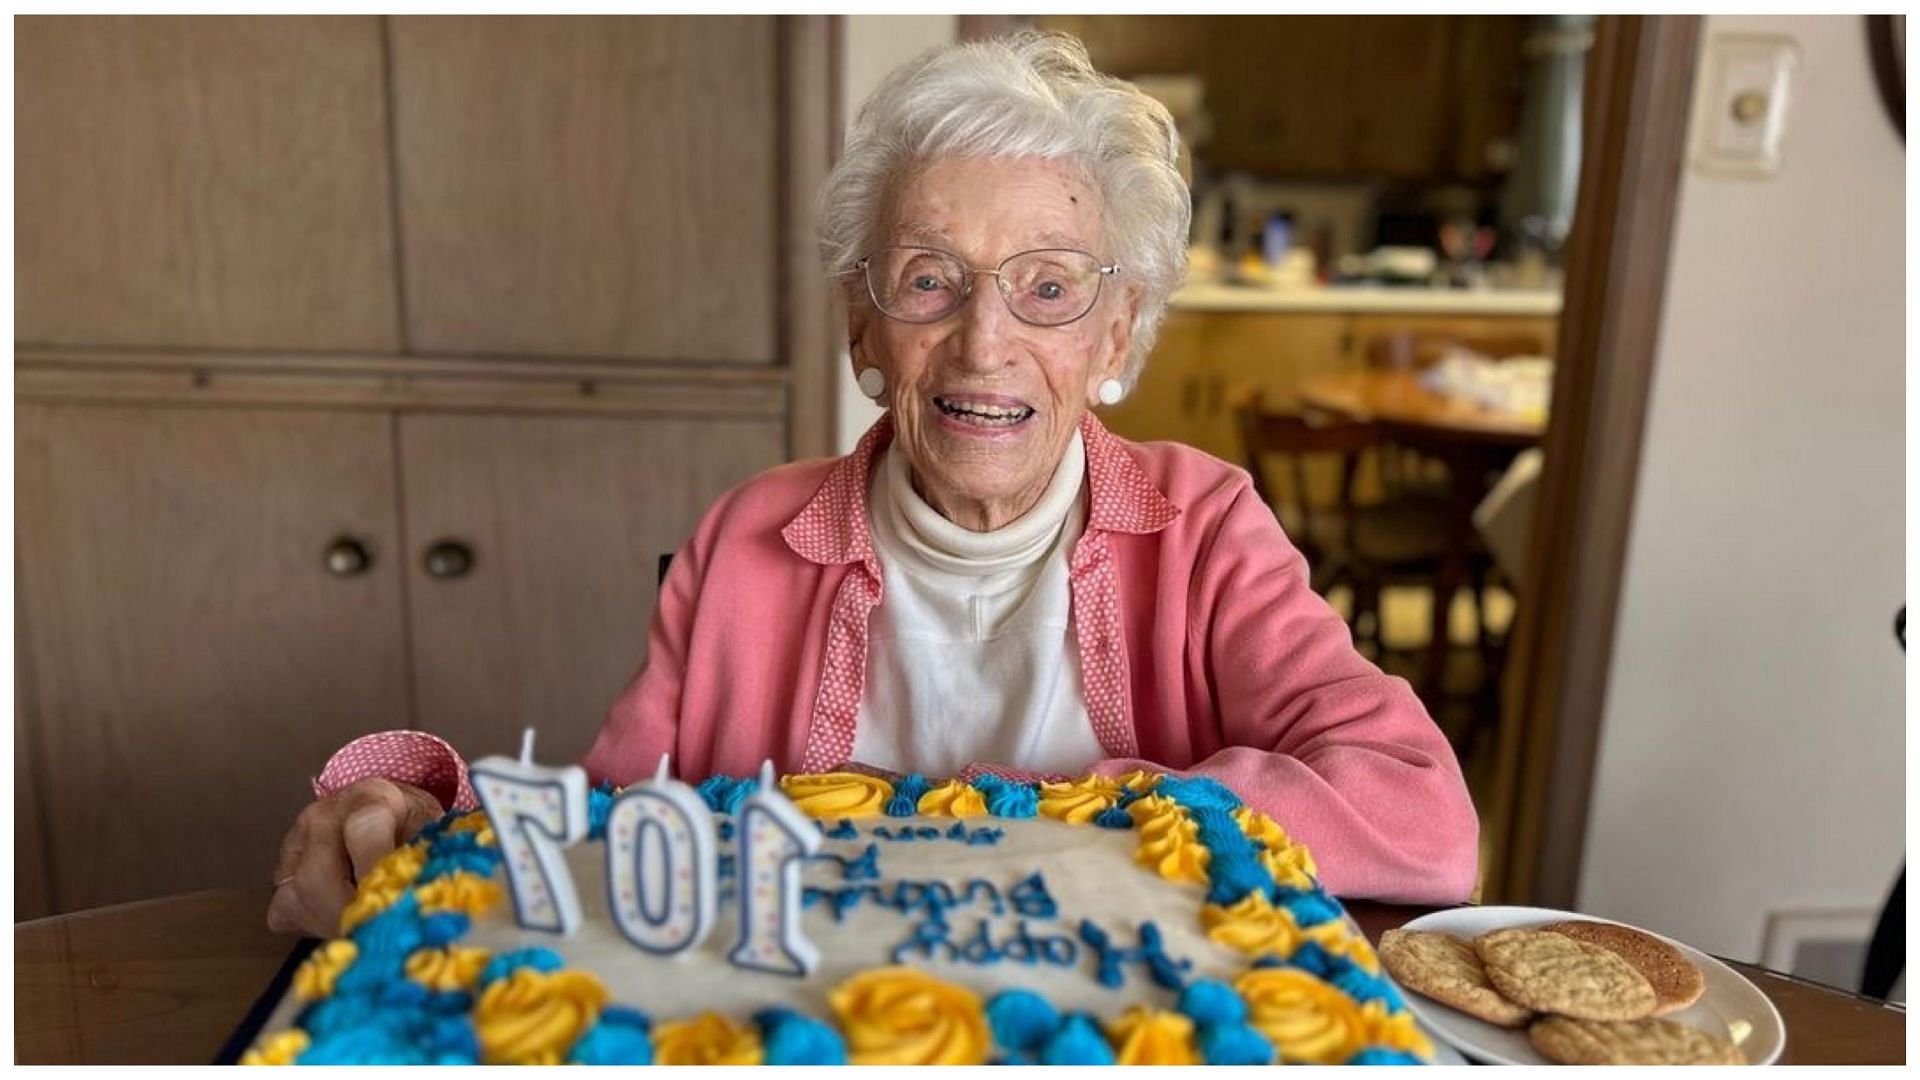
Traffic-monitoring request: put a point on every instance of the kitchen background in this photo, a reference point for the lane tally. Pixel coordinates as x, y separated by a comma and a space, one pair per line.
364, 367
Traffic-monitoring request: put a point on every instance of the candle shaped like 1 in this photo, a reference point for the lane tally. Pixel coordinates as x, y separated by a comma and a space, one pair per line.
536, 812
774, 838
661, 865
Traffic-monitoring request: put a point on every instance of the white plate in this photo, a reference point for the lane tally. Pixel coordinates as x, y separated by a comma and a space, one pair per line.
1731, 1007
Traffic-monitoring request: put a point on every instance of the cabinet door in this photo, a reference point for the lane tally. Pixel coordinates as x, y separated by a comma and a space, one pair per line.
1166, 403
194, 660
565, 519
1277, 90
212, 182
1396, 95
600, 186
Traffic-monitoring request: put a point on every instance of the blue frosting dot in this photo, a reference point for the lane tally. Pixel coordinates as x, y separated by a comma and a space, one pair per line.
1197, 792
621, 1037
906, 795
1310, 908
1009, 800
538, 958
791, 1038
599, 808
1113, 817
1234, 1044
1077, 1042
443, 928
1021, 1020
1209, 1001
1379, 1055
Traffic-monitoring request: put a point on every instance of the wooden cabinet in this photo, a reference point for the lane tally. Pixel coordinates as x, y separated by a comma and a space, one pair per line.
541, 286
206, 182
565, 518
193, 659
590, 187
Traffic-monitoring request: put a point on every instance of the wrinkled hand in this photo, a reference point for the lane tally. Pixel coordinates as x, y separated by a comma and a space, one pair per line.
334, 843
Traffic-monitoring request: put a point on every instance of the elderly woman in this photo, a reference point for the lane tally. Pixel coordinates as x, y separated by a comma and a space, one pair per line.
992, 580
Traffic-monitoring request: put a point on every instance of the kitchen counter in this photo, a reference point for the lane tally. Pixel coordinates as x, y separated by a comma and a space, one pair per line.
1215, 296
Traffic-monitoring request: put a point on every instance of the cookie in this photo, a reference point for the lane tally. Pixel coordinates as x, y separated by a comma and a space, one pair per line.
1632, 1042
1446, 969
1553, 973
1676, 983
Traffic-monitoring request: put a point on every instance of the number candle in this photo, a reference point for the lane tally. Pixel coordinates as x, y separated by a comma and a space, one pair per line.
661, 865
536, 812
775, 838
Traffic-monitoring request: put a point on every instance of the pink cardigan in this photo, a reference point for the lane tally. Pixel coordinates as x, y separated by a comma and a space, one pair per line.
1202, 648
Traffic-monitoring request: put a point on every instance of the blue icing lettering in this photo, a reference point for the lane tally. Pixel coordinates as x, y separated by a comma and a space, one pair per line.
906, 796
620, 1037
1031, 898
989, 837
979, 949
1108, 958
1021, 1020
724, 830
958, 832
790, 1038
975, 886
599, 808
1375, 1055
1210, 1001
927, 832
723, 866
1197, 793
927, 937
1077, 1041
843, 830
1233, 1044
539, 958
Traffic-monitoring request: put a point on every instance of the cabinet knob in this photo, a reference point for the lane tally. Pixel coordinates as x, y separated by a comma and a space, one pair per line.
347, 557
449, 559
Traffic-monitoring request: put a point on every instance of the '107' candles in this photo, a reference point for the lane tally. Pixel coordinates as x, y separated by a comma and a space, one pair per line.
662, 854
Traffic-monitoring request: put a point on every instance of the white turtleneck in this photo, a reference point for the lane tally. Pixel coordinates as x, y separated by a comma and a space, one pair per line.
970, 655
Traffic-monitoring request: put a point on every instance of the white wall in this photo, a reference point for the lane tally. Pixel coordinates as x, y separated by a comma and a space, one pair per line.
873, 45
1753, 754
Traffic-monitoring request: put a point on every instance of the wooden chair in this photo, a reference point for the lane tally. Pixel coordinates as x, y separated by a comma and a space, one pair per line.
1366, 547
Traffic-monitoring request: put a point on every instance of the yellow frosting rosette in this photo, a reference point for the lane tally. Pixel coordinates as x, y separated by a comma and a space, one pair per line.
533, 1017
837, 795
281, 1048
1394, 1031
453, 968
392, 875
1308, 1021
707, 1039
1169, 840
1143, 1036
1256, 927
1286, 860
461, 891
477, 824
1139, 780
899, 1016
314, 979
1078, 802
952, 799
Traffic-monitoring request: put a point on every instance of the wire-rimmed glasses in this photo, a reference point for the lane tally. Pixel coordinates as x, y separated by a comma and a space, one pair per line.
1044, 287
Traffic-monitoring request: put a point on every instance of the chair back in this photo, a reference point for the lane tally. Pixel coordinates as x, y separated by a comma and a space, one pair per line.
1308, 444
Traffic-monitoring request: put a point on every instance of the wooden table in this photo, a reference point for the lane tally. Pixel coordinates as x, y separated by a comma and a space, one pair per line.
167, 981
1473, 441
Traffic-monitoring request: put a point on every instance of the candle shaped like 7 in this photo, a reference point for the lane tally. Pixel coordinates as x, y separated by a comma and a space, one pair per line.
662, 865
536, 813
774, 838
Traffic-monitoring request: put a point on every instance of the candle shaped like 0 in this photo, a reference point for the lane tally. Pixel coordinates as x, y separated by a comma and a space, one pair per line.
536, 813
774, 838
662, 865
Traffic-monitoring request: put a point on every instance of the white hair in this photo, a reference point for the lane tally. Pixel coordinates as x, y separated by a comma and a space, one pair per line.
1026, 94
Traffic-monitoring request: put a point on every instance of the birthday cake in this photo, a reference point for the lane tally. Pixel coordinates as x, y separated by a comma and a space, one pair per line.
1145, 919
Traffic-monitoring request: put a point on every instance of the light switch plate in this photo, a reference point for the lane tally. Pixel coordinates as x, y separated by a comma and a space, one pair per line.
1740, 116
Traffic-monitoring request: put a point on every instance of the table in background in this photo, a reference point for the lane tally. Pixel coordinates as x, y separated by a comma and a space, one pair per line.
1473, 441
167, 981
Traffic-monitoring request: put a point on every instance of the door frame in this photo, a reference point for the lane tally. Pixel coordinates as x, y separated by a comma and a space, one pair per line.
1639, 84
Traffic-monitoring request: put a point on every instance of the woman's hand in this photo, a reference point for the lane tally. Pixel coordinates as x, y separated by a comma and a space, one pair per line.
333, 843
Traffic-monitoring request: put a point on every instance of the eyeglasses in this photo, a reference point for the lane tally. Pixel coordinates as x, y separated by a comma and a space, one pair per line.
1048, 287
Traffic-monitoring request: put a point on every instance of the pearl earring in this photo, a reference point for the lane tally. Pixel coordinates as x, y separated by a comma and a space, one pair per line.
873, 382
1111, 391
